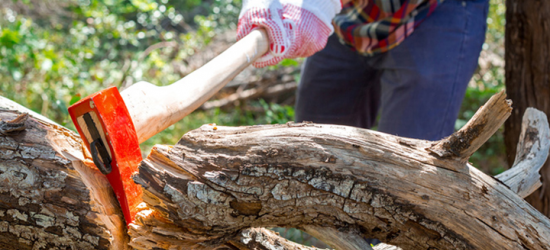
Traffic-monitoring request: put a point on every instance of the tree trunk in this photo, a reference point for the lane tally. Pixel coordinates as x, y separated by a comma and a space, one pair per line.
341, 184
219, 186
527, 76
51, 197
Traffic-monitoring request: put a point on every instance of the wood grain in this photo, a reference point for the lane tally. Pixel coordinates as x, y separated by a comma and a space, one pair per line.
219, 181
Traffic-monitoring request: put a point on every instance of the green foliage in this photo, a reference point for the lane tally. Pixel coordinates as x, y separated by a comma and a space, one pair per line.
277, 114
496, 22
47, 63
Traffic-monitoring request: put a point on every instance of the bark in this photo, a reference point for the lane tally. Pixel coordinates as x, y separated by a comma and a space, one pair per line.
527, 76
217, 182
52, 197
221, 187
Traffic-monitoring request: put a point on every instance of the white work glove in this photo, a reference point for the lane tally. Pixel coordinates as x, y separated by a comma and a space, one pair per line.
296, 28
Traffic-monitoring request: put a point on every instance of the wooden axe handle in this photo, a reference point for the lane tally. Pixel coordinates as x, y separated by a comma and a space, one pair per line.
154, 108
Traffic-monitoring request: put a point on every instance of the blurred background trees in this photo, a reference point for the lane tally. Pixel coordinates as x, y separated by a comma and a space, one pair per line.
527, 74
54, 52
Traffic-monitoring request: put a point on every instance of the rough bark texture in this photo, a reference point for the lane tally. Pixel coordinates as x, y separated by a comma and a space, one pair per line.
219, 186
527, 76
218, 181
51, 197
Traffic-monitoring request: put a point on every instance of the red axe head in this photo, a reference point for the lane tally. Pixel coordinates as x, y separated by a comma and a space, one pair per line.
108, 130
103, 122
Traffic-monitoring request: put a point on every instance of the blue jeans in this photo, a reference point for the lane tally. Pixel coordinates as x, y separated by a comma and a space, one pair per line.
417, 86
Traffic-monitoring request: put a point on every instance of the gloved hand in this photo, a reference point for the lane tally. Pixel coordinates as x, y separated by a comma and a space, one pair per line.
296, 28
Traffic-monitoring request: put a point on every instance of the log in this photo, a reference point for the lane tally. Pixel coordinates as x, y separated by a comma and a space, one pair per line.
52, 196
221, 187
217, 182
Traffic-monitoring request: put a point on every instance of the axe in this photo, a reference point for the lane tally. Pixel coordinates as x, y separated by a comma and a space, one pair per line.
113, 124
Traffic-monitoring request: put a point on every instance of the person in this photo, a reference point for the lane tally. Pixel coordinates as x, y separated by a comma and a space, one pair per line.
408, 62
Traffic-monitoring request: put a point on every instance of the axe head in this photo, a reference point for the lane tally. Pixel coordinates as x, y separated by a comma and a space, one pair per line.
105, 126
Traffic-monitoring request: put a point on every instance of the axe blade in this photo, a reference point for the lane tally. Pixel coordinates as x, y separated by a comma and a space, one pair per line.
105, 125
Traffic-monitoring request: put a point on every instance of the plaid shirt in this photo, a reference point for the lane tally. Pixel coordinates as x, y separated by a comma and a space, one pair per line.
376, 26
